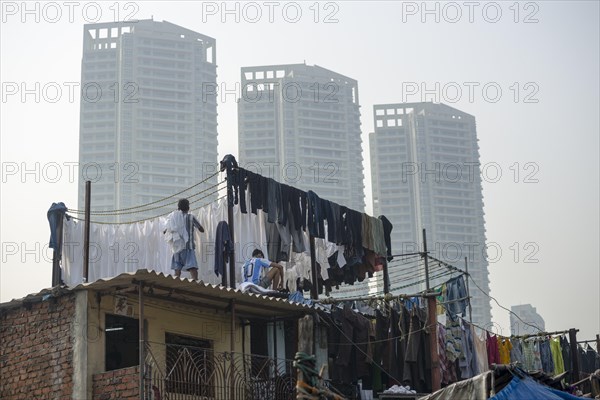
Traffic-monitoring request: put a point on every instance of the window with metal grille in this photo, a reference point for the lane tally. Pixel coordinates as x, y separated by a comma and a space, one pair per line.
190, 367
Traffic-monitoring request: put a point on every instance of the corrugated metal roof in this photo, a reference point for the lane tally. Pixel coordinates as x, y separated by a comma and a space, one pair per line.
168, 287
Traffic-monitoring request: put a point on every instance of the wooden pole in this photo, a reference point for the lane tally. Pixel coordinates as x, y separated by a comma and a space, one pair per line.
467, 276
386, 277
86, 232
426, 258
314, 291
142, 356
232, 344
57, 255
231, 235
574, 355
436, 382
305, 342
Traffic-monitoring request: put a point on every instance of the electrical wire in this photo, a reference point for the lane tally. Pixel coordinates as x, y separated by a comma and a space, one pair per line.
421, 281
151, 203
108, 213
157, 216
451, 267
393, 280
413, 273
400, 258
501, 306
379, 282
332, 322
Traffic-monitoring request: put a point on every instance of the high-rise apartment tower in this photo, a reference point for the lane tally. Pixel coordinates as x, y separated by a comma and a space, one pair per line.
426, 175
148, 126
300, 125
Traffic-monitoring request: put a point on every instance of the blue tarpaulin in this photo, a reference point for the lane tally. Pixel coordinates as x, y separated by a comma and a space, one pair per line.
531, 390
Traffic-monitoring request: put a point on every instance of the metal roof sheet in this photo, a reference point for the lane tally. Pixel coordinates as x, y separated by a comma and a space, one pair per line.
168, 287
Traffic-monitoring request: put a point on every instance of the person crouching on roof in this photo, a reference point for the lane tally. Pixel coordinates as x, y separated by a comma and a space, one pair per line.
252, 271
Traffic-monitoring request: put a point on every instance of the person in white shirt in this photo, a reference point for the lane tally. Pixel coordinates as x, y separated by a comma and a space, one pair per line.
180, 235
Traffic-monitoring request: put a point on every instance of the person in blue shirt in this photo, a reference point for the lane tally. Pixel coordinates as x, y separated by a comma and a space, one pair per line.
252, 271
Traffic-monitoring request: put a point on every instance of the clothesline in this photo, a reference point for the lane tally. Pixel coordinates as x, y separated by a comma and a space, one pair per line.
151, 203
385, 297
541, 334
160, 215
587, 341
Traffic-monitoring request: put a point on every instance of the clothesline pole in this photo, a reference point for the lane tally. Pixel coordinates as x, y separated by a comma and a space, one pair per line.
142, 343
436, 382
232, 348
56, 255
86, 231
230, 173
468, 293
426, 260
574, 358
314, 291
386, 278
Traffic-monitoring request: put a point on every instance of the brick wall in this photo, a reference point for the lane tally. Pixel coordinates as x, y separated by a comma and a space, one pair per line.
118, 384
36, 350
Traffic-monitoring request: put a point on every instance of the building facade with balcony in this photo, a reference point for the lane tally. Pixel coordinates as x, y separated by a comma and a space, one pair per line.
195, 341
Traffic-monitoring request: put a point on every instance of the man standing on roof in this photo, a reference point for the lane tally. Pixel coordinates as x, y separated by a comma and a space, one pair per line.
180, 236
253, 268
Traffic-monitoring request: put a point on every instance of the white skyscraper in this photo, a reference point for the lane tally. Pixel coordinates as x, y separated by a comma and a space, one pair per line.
425, 174
528, 321
147, 128
300, 125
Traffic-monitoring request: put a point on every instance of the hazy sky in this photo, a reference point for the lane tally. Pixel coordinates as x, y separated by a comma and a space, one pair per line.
534, 72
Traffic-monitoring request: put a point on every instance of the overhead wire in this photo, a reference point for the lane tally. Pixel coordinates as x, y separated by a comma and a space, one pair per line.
501, 306
399, 258
468, 275
413, 273
157, 216
332, 322
406, 274
107, 213
360, 288
153, 202
378, 283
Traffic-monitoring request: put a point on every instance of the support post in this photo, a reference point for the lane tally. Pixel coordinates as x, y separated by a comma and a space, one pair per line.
86, 232
232, 344
142, 355
386, 278
426, 258
231, 234
436, 383
468, 292
306, 341
57, 255
275, 341
314, 291
574, 355
229, 164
